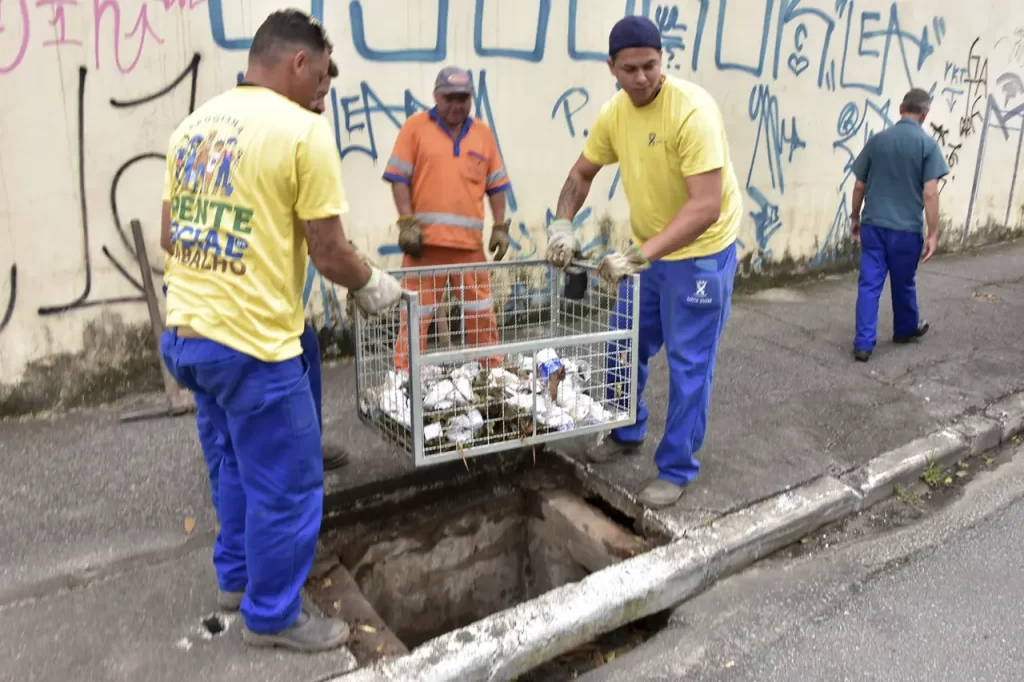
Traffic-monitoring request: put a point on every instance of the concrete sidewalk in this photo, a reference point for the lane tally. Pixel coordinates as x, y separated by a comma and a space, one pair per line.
96, 511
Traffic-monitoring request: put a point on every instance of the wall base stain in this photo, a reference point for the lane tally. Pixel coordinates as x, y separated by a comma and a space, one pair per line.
118, 360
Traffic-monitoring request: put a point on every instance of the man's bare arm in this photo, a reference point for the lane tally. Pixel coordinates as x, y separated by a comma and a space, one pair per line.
402, 194
931, 207
858, 199
333, 255
497, 202
165, 229
576, 188
700, 212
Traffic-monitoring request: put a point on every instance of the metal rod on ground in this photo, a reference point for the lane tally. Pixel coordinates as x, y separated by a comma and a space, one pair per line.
179, 401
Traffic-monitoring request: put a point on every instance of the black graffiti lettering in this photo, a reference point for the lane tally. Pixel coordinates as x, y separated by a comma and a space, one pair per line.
83, 299
977, 90
9, 312
192, 70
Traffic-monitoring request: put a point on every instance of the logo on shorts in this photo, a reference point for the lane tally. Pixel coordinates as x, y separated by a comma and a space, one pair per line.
702, 287
651, 137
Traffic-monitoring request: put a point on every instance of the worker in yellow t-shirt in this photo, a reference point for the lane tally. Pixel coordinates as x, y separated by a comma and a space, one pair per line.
253, 188
668, 137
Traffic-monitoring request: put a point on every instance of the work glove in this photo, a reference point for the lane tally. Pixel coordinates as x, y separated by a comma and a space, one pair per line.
380, 293
410, 235
561, 243
499, 239
615, 267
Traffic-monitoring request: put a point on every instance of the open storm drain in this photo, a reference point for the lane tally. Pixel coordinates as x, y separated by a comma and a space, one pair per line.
438, 561
214, 625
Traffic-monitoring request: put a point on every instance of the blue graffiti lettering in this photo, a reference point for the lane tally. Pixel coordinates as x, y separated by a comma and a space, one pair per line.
763, 107
525, 247
837, 235
357, 115
723, 65
666, 17
575, 53
216, 13
563, 103
951, 96
535, 55
997, 119
881, 58
790, 11
851, 123
766, 224
437, 53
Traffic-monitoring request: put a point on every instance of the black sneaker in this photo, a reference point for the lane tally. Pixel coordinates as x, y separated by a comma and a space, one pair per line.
922, 329
861, 355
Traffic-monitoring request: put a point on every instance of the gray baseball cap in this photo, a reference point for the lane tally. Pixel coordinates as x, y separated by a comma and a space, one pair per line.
451, 80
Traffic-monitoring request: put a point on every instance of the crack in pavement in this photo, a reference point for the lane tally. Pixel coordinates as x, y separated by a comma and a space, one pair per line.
98, 573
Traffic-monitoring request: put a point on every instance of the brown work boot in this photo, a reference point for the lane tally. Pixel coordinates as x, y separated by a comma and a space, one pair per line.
610, 448
310, 632
660, 493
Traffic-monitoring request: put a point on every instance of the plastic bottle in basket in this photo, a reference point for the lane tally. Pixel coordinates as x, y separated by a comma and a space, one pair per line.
548, 362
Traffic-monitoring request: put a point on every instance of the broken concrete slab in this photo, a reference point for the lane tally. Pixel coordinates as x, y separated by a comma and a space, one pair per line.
980, 433
1009, 413
509, 643
739, 539
876, 480
506, 644
339, 596
592, 539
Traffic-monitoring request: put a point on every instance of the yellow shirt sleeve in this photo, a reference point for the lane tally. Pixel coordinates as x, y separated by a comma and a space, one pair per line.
318, 170
600, 148
701, 136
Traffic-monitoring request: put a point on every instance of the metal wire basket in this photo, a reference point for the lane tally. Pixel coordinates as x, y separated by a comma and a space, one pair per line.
488, 357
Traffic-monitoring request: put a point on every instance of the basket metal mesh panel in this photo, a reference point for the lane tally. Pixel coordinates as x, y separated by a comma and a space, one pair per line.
494, 356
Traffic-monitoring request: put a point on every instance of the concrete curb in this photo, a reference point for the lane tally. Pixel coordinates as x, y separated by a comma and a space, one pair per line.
511, 642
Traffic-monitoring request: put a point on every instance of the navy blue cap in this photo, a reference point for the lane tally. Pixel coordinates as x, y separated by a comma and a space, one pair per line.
633, 31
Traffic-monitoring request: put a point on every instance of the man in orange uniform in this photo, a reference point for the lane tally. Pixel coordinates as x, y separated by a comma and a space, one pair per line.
443, 164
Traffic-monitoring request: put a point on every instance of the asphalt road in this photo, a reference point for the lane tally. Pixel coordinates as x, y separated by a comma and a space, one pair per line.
933, 599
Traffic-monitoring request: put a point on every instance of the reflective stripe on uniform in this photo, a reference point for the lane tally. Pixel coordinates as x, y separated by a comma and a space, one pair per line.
402, 166
499, 174
451, 219
483, 305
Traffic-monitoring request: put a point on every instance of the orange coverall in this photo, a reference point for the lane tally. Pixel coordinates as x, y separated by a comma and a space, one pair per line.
448, 179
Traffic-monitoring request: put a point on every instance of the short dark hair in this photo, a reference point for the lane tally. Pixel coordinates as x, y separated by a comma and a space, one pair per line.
916, 101
288, 28
332, 70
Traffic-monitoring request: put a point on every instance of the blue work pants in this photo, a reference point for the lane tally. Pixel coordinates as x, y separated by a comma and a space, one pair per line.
269, 502
892, 253
683, 306
208, 434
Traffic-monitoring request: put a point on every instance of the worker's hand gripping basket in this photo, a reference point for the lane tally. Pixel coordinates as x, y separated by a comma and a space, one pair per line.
495, 356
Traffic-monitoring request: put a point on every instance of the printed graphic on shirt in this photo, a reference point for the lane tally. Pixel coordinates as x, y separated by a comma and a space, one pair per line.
209, 226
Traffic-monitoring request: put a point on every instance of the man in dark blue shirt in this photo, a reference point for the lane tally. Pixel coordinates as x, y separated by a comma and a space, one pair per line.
897, 180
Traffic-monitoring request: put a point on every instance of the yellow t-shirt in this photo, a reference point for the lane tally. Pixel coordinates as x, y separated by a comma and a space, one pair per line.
680, 133
242, 171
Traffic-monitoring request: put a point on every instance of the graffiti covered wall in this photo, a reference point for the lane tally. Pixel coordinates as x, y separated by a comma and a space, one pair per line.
92, 89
